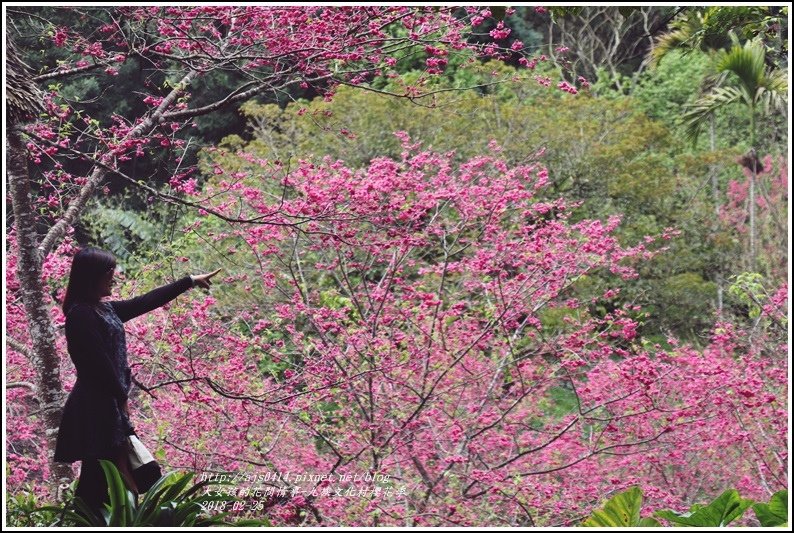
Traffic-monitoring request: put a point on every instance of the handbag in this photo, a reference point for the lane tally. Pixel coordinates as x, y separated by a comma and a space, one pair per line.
145, 469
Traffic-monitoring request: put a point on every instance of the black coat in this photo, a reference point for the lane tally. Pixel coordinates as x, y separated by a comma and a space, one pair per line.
93, 424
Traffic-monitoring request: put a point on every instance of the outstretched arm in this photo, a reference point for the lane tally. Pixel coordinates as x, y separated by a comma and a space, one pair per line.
129, 309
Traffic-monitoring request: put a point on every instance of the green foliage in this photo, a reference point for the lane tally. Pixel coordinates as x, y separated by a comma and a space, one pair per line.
554, 318
169, 503
662, 92
666, 93
742, 77
561, 401
358, 126
774, 513
728, 507
711, 28
602, 152
748, 288
712, 35
120, 230
746, 21
686, 293
22, 510
622, 510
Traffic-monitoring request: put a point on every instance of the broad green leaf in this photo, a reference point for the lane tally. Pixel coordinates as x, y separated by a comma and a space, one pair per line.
725, 509
154, 494
774, 513
649, 522
177, 487
120, 511
622, 510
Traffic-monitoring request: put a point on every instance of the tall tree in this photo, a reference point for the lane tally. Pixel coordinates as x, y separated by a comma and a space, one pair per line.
24, 105
743, 78
713, 29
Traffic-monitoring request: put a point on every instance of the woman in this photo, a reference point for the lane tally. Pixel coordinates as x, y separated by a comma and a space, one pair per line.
95, 421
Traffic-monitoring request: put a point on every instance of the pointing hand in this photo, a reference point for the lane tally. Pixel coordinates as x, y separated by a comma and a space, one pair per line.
203, 280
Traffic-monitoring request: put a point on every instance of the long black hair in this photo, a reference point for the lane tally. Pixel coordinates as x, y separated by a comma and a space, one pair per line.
89, 265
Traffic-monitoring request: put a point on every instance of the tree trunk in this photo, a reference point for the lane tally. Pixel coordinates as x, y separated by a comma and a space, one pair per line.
752, 209
753, 163
715, 194
45, 360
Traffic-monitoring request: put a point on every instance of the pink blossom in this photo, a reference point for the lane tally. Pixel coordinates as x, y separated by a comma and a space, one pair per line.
60, 37
500, 32
565, 86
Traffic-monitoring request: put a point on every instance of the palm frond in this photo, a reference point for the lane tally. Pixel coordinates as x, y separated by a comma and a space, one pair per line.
683, 36
772, 95
700, 110
776, 82
665, 44
739, 70
746, 62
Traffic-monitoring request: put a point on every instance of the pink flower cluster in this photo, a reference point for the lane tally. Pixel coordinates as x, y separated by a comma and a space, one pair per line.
500, 32
567, 87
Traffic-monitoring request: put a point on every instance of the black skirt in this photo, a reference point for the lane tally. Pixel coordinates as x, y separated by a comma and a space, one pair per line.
93, 426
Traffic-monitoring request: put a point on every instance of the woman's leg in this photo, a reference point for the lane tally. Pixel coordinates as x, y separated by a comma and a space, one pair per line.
92, 486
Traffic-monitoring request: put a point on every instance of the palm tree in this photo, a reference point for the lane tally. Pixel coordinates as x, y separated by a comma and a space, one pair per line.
742, 77
710, 29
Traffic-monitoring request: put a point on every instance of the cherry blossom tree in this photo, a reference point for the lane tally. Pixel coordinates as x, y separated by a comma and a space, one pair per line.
418, 354
404, 344
268, 50
425, 327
